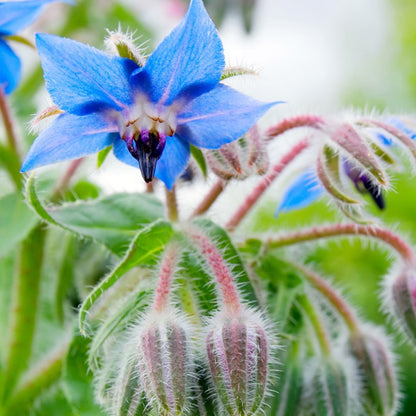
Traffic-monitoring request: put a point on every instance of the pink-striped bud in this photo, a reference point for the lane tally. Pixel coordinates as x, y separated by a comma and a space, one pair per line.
403, 297
165, 362
376, 363
240, 159
238, 355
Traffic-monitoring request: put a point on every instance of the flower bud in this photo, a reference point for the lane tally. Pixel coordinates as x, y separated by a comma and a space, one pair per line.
165, 362
237, 350
330, 389
240, 159
403, 297
377, 372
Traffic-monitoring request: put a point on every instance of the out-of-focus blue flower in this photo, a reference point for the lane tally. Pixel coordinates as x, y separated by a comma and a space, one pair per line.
150, 114
396, 122
15, 16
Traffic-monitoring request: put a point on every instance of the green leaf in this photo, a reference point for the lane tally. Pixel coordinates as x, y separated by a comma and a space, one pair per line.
16, 221
113, 220
78, 380
199, 159
144, 251
102, 155
9, 160
232, 257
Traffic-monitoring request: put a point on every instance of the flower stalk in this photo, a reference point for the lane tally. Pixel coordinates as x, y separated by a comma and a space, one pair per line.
258, 191
172, 204
210, 198
312, 121
338, 230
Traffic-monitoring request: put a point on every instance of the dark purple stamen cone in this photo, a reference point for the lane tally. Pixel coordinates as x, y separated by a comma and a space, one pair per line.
147, 148
237, 349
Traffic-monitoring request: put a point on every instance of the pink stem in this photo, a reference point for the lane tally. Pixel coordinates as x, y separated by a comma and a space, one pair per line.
336, 230
8, 122
314, 122
210, 198
66, 178
264, 184
166, 273
220, 269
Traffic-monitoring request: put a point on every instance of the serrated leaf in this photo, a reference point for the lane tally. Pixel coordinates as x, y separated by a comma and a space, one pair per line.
16, 222
199, 159
232, 257
113, 220
102, 155
144, 250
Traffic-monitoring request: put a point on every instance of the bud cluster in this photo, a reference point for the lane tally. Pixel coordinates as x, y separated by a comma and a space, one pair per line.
241, 158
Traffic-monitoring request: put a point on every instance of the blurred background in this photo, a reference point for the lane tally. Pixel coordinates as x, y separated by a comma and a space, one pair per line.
320, 56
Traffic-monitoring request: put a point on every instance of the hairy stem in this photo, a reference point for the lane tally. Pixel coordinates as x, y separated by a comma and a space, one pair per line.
24, 307
166, 274
311, 121
337, 230
258, 191
210, 198
322, 286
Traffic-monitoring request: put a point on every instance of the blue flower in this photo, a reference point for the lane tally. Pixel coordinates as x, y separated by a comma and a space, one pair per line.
14, 16
151, 114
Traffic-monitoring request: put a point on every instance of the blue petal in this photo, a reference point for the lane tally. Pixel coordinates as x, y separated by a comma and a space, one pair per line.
16, 15
69, 137
303, 191
188, 62
173, 160
82, 79
219, 117
121, 153
10, 68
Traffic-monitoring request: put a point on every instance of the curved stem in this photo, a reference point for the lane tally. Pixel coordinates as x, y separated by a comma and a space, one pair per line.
314, 318
333, 297
66, 178
275, 171
210, 198
171, 204
315, 122
337, 230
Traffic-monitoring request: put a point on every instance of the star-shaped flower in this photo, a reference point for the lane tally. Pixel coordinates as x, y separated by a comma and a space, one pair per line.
151, 114
14, 16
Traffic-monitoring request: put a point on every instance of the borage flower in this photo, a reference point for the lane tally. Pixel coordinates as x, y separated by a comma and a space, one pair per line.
15, 16
151, 114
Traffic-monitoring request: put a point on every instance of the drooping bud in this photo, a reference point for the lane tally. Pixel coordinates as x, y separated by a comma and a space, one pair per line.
330, 388
347, 139
238, 355
375, 359
165, 362
403, 299
240, 159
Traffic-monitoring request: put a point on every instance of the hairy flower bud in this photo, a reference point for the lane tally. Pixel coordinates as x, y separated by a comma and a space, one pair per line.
375, 360
330, 389
237, 349
240, 159
403, 297
165, 362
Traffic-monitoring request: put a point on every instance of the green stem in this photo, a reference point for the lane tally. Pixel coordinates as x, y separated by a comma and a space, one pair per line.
24, 307
37, 380
316, 322
171, 204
